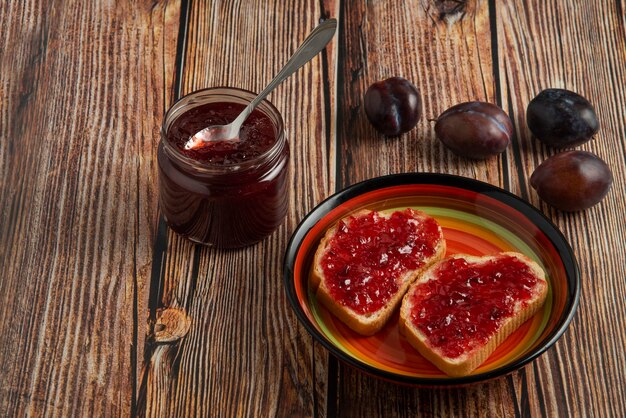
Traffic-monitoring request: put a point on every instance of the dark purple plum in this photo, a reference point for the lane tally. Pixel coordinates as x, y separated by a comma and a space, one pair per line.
572, 180
393, 106
561, 118
474, 129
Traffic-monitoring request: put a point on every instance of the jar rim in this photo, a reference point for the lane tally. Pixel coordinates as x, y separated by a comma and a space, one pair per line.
241, 96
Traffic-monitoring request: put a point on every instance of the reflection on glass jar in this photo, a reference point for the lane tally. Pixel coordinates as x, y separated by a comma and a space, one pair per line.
226, 194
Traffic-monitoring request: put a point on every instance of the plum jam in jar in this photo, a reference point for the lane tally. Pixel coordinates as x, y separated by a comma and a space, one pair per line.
227, 194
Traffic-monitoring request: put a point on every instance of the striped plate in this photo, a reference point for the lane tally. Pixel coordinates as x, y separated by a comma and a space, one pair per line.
477, 219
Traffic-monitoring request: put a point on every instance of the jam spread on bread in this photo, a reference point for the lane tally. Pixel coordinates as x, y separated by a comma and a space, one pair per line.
368, 254
467, 304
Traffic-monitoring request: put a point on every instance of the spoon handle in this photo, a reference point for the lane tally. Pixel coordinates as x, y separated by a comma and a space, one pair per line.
312, 45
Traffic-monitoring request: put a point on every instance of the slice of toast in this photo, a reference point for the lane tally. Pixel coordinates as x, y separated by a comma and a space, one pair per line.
460, 309
350, 291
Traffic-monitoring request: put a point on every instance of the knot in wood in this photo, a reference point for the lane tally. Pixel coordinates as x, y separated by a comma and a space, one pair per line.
171, 325
451, 10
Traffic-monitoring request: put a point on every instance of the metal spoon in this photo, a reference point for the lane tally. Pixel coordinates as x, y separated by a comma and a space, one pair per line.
311, 46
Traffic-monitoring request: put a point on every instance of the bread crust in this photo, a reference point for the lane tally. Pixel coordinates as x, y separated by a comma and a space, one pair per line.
368, 324
468, 362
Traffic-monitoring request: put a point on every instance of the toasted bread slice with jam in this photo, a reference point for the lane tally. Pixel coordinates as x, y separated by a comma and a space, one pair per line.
366, 262
461, 308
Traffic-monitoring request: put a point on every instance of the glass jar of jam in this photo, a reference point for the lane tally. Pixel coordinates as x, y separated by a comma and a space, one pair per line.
229, 193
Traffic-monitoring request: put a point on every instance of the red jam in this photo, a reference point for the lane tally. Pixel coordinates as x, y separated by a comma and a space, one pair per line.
255, 138
367, 255
466, 306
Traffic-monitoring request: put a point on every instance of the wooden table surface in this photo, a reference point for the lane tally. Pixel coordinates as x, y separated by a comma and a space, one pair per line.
103, 311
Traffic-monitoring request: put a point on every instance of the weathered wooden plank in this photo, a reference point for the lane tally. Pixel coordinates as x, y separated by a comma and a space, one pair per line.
580, 46
444, 48
539, 45
245, 353
83, 89
77, 198
446, 55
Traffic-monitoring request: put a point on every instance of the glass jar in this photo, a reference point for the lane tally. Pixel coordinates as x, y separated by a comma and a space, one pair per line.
230, 205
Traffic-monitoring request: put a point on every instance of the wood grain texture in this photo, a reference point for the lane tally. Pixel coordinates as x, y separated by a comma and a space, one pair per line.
83, 87
445, 49
449, 59
85, 260
245, 354
535, 46
584, 374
